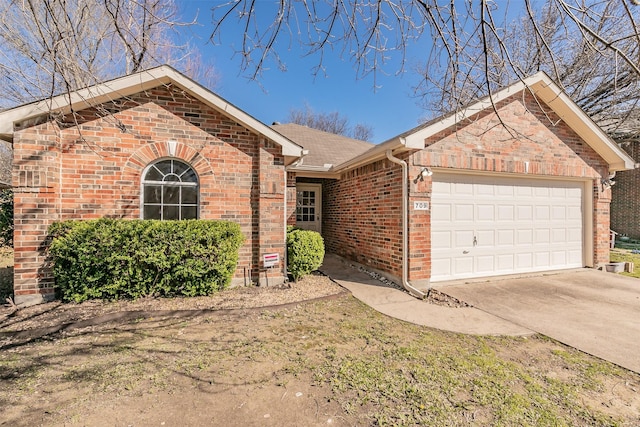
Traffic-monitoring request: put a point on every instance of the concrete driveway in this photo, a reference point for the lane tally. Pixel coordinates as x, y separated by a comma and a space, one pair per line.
593, 311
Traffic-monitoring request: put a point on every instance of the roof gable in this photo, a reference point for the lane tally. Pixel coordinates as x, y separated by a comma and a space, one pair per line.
135, 83
545, 91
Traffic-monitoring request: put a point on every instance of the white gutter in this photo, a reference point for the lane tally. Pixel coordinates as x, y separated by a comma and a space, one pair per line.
405, 227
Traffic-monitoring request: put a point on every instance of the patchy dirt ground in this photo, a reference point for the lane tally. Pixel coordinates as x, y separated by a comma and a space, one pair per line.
52, 315
306, 355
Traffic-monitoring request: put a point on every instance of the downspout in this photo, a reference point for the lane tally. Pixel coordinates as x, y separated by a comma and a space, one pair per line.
405, 227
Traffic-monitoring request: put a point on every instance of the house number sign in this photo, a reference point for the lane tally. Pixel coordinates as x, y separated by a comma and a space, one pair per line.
420, 206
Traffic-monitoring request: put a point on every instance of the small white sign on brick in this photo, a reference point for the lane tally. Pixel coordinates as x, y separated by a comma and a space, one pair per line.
270, 260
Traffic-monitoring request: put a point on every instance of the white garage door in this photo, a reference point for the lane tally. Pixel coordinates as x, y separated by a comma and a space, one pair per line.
485, 226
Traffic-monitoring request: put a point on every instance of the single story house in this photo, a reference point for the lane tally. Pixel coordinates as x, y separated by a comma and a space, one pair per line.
512, 184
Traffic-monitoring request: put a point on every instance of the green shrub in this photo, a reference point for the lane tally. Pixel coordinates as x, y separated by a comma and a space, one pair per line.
112, 259
6, 217
305, 252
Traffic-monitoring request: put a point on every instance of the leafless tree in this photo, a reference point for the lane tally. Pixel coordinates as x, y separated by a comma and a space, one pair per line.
48, 47
599, 80
332, 122
472, 48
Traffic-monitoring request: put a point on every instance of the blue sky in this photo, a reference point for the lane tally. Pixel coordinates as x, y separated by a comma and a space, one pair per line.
390, 109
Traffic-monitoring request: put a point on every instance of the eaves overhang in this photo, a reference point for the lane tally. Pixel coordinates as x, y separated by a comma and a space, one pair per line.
132, 84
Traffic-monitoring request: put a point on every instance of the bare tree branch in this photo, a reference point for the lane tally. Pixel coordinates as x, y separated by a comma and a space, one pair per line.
332, 122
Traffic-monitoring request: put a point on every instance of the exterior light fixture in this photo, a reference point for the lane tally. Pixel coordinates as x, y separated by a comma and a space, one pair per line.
426, 172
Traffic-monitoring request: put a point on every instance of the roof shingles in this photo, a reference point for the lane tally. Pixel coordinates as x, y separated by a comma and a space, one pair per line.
324, 147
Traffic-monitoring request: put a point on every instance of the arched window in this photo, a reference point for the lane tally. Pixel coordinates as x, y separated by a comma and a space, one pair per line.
170, 191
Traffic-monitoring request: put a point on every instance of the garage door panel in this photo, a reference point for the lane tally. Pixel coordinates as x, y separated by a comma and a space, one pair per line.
485, 238
463, 238
463, 266
519, 191
524, 213
524, 237
559, 235
541, 192
485, 213
484, 190
463, 188
543, 235
541, 259
442, 239
558, 258
463, 212
574, 257
441, 267
574, 235
505, 238
574, 213
542, 213
485, 264
524, 261
520, 225
441, 213
505, 262
558, 213
506, 213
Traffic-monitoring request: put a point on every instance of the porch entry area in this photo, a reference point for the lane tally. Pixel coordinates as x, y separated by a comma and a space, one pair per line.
309, 206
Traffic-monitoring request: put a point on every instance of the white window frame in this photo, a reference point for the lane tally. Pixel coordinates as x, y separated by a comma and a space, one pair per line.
180, 205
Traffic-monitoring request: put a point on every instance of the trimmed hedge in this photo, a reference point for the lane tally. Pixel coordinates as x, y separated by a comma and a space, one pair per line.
113, 258
305, 252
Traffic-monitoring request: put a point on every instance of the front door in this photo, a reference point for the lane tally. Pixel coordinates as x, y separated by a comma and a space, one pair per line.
309, 206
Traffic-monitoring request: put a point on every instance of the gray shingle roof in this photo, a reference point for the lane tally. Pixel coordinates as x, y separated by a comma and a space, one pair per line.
324, 147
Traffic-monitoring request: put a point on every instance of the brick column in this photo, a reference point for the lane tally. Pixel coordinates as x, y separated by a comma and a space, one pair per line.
272, 211
35, 182
601, 205
419, 227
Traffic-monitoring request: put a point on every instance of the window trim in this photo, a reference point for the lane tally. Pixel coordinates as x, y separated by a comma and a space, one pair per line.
144, 182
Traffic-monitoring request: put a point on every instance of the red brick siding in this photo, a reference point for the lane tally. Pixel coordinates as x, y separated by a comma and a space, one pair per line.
35, 182
362, 210
363, 218
241, 176
481, 144
625, 204
291, 199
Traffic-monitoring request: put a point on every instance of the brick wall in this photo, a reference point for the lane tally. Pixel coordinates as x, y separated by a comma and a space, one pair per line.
363, 209
91, 166
625, 204
363, 220
534, 135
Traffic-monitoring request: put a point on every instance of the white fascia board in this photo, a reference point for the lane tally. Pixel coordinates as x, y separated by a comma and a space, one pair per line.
553, 96
310, 168
446, 122
547, 91
83, 98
